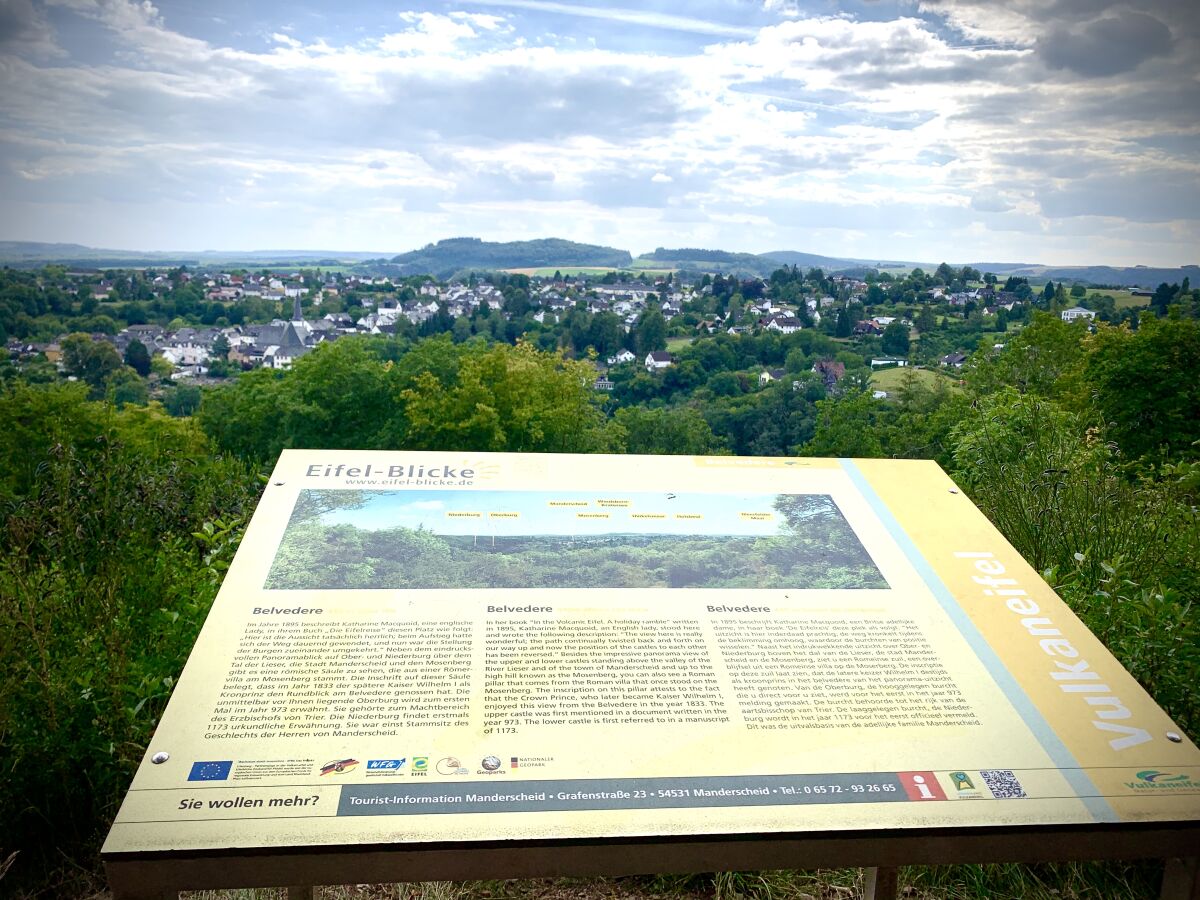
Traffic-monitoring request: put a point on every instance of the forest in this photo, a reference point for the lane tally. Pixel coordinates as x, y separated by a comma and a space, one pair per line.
119, 520
813, 547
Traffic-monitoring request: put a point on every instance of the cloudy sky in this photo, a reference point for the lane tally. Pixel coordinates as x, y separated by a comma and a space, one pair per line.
1056, 131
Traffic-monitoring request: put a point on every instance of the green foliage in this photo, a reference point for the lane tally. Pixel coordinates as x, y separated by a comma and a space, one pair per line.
1122, 550
679, 431
846, 426
438, 395
102, 591
125, 387
651, 332
181, 400
504, 398
1144, 385
895, 339
1152, 630
1044, 358
137, 357
1050, 493
90, 361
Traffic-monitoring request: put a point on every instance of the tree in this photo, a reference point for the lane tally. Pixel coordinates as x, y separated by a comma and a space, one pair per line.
680, 431
220, 347
650, 332
1043, 358
926, 321
725, 384
1164, 295
507, 398
895, 339
1057, 496
126, 388
844, 325
183, 400
604, 333
137, 357
1144, 383
846, 426
162, 367
90, 361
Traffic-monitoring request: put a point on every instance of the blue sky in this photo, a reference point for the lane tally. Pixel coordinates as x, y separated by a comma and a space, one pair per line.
429, 509
1055, 131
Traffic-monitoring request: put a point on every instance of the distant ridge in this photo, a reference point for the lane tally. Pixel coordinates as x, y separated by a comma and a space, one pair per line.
1114, 276
458, 254
762, 264
815, 260
455, 255
36, 253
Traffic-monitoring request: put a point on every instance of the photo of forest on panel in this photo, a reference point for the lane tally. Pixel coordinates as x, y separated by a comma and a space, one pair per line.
348, 539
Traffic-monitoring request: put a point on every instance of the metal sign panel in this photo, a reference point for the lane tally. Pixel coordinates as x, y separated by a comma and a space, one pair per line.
422, 648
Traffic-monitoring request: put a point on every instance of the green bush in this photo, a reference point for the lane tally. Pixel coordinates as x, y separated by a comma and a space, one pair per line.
103, 589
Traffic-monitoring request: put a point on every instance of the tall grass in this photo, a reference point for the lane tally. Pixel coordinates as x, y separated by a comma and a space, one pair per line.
103, 589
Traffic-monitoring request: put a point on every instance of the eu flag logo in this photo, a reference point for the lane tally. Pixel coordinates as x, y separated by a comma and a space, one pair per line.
211, 771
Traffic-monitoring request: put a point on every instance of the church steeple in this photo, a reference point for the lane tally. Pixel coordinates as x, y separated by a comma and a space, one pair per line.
297, 316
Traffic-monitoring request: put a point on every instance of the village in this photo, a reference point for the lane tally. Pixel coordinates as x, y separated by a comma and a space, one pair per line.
322, 308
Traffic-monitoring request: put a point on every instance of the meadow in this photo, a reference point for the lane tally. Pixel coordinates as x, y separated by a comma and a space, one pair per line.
895, 378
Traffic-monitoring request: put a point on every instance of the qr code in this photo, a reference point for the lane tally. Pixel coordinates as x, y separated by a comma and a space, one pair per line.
1003, 784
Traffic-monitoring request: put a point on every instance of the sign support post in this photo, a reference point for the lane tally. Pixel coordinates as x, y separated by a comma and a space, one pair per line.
1181, 879
881, 884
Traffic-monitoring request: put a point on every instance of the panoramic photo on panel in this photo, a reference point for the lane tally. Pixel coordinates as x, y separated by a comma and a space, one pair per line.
531, 539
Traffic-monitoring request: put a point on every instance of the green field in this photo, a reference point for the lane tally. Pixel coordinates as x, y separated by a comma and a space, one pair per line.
1124, 299
892, 379
676, 343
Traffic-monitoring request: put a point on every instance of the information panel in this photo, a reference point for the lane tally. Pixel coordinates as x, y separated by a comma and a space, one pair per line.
433, 647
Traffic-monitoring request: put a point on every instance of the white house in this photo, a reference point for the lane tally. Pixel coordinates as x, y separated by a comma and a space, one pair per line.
769, 375
1077, 312
623, 357
785, 324
657, 360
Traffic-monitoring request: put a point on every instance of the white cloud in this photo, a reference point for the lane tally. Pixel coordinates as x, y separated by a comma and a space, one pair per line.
649, 19
482, 21
818, 128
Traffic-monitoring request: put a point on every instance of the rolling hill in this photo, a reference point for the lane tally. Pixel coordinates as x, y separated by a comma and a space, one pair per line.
457, 254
